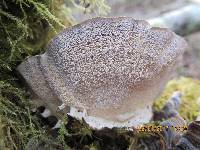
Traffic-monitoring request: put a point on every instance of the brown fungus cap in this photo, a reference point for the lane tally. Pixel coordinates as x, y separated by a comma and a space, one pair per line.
107, 66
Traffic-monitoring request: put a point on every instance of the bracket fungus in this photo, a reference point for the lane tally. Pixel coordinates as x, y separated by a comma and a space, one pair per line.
107, 70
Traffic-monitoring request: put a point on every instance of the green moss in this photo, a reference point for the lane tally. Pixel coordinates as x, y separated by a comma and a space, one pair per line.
25, 28
15, 116
190, 88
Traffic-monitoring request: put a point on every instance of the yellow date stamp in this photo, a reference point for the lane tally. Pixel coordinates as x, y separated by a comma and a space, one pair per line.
160, 128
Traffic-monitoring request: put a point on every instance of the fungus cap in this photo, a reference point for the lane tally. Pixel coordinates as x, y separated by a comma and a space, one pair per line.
109, 68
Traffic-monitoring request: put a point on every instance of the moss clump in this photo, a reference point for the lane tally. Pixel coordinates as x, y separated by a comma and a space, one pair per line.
190, 88
25, 28
16, 123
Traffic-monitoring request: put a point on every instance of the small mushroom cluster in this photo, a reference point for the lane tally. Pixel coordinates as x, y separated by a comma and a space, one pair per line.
107, 70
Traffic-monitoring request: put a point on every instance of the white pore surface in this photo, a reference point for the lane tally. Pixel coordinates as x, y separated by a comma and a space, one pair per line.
141, 116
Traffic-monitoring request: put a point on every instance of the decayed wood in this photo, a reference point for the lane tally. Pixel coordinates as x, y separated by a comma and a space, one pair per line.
182, 21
